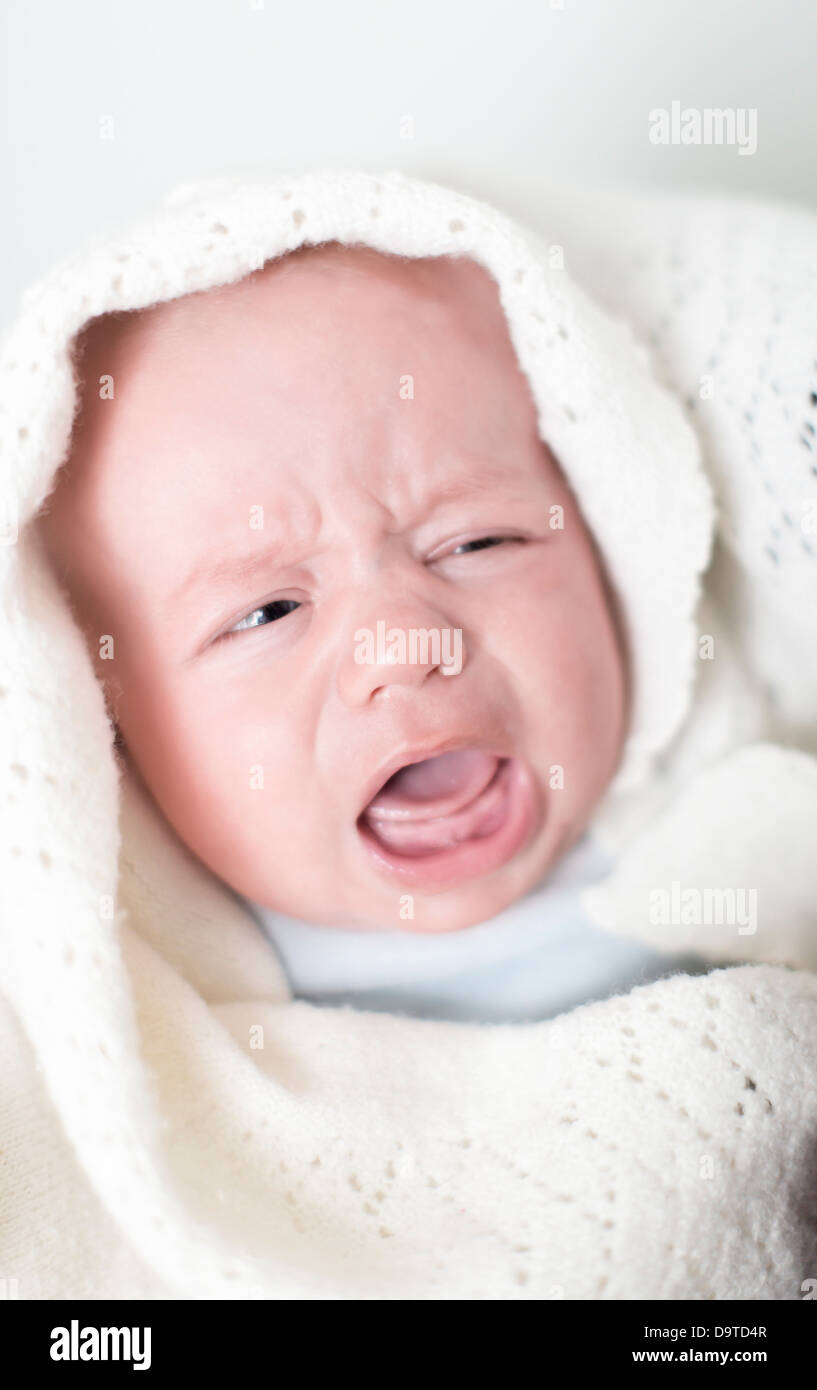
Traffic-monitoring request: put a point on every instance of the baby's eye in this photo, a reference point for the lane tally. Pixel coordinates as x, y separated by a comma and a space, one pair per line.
277, 608
483, 543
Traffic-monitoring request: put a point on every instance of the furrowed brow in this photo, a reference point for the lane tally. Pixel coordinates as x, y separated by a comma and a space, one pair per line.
227, 568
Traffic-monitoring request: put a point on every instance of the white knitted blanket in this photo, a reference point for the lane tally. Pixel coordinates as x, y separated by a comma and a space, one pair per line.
172, 1123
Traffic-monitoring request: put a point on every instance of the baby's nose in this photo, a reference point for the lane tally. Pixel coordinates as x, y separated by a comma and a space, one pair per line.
400, 644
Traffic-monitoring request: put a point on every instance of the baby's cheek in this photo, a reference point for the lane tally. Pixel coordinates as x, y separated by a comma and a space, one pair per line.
235, 793
563, 656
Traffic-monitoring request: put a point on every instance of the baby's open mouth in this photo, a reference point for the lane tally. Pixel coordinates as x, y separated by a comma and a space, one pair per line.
437, 803
449, 817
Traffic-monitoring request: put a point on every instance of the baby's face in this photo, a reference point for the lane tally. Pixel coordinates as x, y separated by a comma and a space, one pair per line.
342, 444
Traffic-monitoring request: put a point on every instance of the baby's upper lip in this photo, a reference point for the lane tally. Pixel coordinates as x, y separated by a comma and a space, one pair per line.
416, 754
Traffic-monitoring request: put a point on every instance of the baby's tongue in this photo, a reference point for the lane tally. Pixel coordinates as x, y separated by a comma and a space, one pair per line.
436, 787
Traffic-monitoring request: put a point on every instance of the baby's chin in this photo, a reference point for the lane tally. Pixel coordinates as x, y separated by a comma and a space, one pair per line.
473, 884
456, 909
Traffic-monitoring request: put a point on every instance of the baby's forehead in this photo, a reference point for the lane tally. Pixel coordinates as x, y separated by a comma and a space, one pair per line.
455, 282
158, 355
146, 353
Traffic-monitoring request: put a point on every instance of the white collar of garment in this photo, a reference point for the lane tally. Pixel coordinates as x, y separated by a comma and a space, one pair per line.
321, 959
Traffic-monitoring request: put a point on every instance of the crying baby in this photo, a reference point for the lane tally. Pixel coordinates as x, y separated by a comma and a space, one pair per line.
292, 506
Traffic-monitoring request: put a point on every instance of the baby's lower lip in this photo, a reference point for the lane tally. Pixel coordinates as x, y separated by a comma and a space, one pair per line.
510, 805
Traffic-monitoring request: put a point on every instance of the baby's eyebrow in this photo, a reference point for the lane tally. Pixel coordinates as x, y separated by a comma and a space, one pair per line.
228, 567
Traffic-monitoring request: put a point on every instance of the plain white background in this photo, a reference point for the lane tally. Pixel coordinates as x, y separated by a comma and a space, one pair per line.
506, 98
